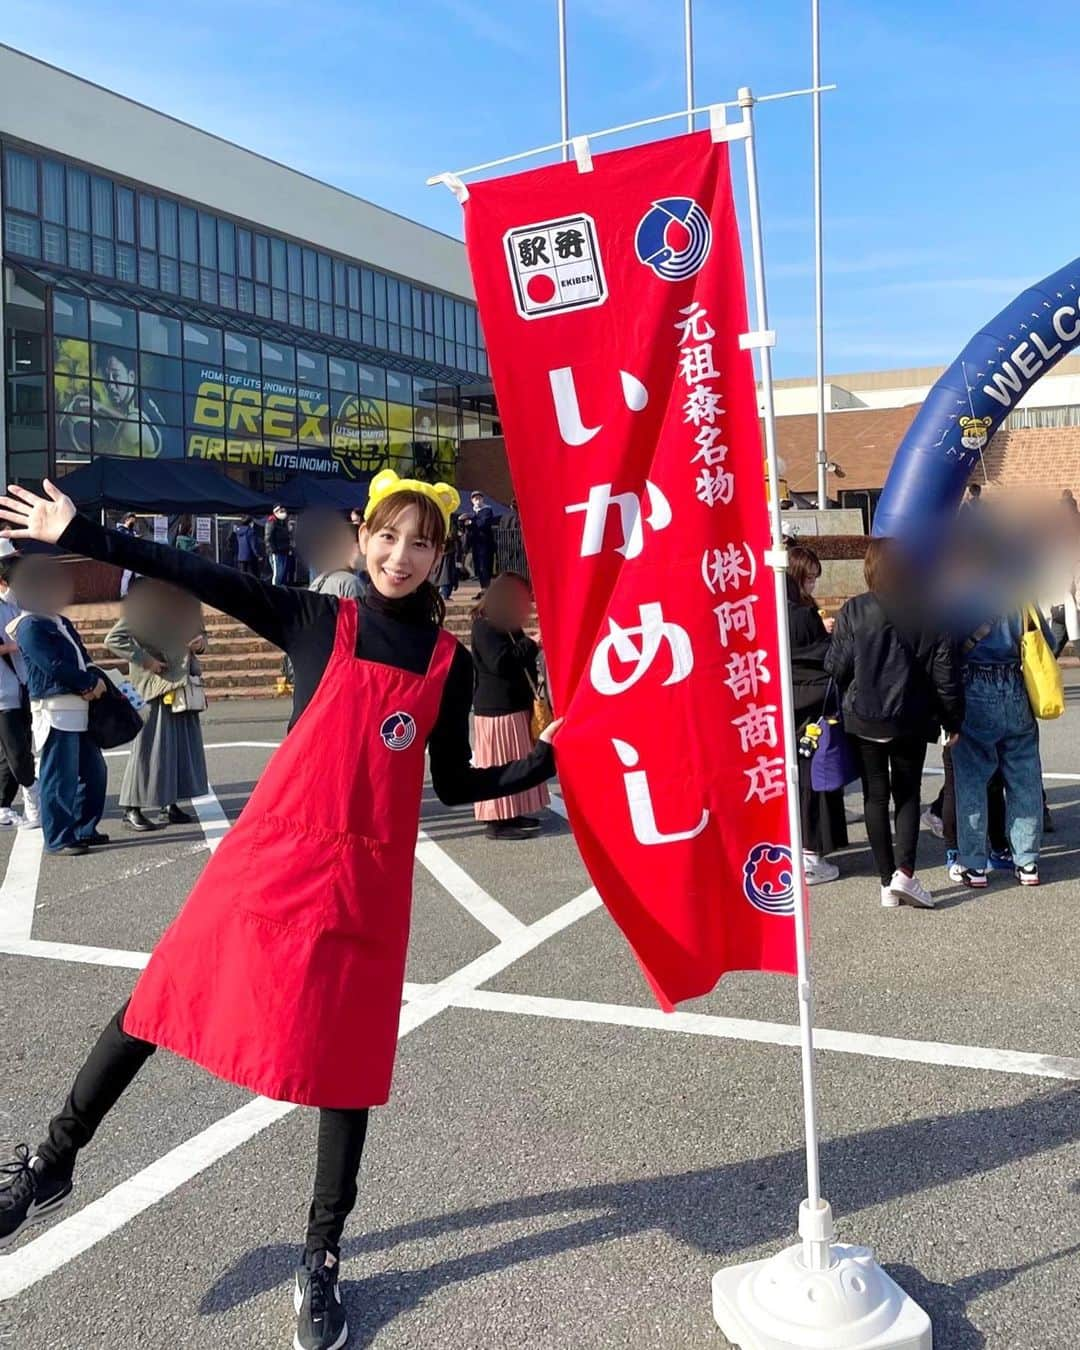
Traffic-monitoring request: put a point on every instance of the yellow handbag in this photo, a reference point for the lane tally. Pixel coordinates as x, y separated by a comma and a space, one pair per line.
1042, 674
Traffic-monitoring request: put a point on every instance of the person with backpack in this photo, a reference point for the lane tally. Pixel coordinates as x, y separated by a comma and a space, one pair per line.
16, 739
900, 685
242, 547
298, 971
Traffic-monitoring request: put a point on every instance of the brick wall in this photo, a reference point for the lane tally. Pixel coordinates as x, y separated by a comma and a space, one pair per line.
1045, 458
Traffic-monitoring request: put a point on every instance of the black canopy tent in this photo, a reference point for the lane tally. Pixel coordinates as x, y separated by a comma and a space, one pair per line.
161, 487
330, 494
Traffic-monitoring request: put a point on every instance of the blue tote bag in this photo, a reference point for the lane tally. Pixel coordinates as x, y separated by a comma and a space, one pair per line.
835, 763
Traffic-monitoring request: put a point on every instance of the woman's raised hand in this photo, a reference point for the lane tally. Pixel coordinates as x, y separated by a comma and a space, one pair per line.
29, 516
552, 730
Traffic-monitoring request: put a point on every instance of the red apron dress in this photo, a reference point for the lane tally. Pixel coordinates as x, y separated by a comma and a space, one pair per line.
283, 971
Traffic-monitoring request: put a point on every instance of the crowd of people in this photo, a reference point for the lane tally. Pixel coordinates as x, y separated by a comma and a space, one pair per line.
894, 675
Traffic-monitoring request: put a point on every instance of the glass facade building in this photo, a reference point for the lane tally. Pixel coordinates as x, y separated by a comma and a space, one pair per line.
139, 324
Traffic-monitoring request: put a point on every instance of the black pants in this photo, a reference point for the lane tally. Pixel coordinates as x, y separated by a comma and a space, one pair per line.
16, 752
250, 566
118, 1057
892, 770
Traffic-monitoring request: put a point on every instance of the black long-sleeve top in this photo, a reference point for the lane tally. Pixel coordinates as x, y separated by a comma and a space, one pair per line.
303, 624
503, 663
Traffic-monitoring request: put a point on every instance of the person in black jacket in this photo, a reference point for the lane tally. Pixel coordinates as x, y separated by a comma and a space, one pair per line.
900, 682
279, 545
824, 826
505, 673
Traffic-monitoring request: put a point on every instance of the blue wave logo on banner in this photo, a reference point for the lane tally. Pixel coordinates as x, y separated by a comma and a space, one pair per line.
769, 880
674, 238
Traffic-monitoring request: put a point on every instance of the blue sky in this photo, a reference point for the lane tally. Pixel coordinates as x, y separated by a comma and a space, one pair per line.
952, 167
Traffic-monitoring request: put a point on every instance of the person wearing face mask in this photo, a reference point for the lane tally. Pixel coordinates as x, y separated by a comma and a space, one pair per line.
16, 738
61, 683
299, 971
824, 824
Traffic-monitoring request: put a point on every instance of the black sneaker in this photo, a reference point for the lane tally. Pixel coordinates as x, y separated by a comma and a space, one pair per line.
30, 1191
508, 829
172, 815
320, 1318
1029, 875
975, 877
76, 850
96, 838
528, 823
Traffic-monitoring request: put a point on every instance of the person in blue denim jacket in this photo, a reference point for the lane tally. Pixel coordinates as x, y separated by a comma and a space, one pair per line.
62, 684
999, 733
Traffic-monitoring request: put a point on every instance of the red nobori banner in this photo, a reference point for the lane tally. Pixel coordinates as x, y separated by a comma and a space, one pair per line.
612, 302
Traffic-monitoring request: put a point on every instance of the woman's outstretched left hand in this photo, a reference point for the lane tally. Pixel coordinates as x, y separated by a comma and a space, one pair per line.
35, 517
551, 730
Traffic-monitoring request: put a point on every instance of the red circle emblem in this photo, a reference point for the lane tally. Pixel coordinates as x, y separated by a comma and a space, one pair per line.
540, 288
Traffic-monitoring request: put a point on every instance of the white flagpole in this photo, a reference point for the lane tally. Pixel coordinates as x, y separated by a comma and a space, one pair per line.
819, 261
818, 1288
564, 101
816, 1252
688, 32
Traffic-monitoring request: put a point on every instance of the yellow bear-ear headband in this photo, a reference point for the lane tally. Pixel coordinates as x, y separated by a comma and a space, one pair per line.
387, 483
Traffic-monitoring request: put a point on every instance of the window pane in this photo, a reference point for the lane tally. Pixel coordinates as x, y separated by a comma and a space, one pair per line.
245, 296
311, 314
369, 331
126, 267
339, 282
399, 387
159, 405
161, 372
125, 216
372, 381
381, 339
356, 332
428, 315
170, 275
160, 334
262, 302
393, 337
22, 235
367, 287
406, 341
325, 288
52, 191
380, 298
202, 343
262, 259
101, 206
78, 199
102, 252
341, 323
148, 270
71, 315
242, 353
353, 274
25, 352
111, 323
54, 244
310, 368
79, 251
169, 240
279, 361
391, 300
189, 281
20, 182
208, 289
296, 311
207, 240
459, 320
147, 222
310, 270
189, 235
470, 326
429, 347
326, 319
280, 306
227, 291
243, 252
279, 270
226, 242
295, 269
343, 375
29, 470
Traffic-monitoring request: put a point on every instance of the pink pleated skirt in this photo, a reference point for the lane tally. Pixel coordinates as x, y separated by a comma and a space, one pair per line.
501, 740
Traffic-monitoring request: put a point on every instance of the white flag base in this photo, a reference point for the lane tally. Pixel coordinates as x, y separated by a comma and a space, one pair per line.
851, 1304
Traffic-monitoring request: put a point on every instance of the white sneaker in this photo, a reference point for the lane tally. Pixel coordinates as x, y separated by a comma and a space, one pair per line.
8, 818
911, 891
818, 871
889, 898
933, 823
31, 818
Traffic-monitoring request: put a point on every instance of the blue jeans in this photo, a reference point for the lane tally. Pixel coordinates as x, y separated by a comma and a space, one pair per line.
999, 732
72, 785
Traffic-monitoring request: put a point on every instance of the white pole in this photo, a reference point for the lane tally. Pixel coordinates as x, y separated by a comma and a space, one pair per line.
816, 1252
688, 30
819, 263
564, 104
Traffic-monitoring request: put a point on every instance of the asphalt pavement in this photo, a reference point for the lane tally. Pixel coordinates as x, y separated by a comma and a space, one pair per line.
561, 1165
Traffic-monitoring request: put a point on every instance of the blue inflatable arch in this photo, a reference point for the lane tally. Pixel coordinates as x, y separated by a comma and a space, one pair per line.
971, 400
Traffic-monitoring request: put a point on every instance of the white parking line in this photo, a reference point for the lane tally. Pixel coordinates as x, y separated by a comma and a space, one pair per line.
74, 952
215, 823
69, 1238
774, 1033
484, 908
18, 894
